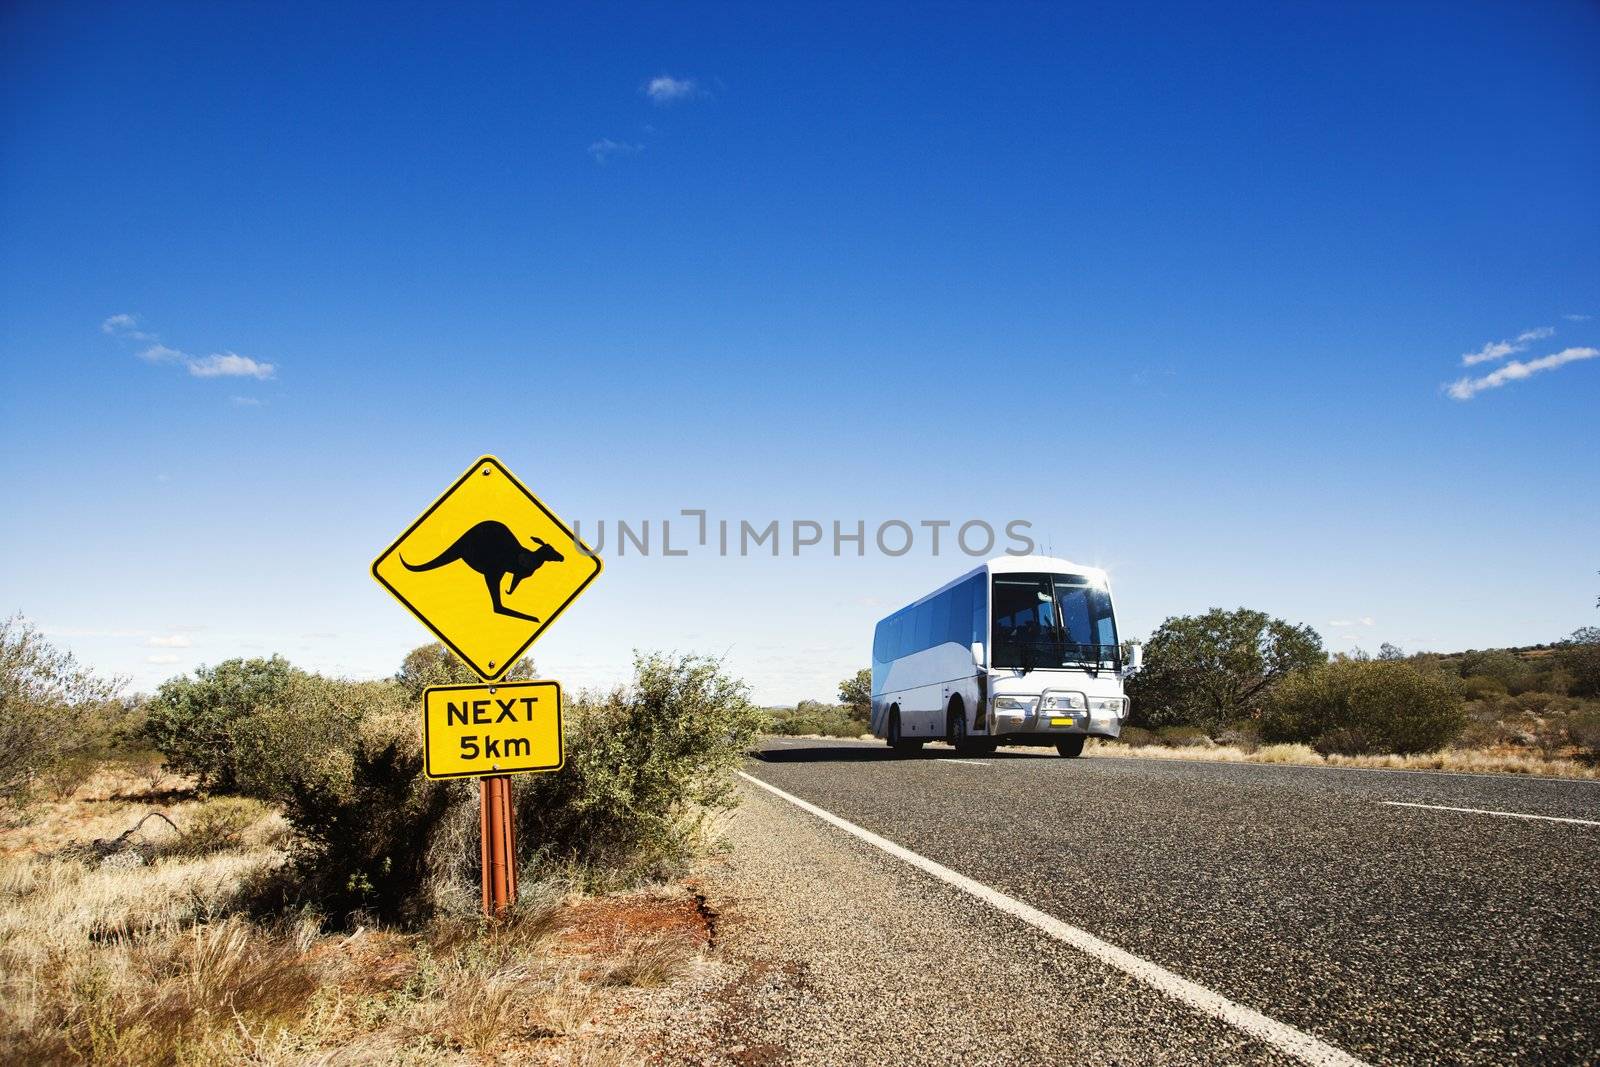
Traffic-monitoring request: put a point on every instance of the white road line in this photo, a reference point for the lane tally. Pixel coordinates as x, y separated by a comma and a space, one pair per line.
1524, 779
960, 762
1297, 1043
1485, 811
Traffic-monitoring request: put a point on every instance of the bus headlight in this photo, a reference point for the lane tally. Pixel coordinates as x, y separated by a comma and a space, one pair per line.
1014, 705
1107, 705
1065, 702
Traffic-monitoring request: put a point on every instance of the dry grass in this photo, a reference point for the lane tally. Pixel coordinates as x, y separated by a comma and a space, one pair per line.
148, 955
648, 960
1469, 761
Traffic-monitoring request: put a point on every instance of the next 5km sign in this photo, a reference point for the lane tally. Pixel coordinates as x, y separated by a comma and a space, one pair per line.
496, 728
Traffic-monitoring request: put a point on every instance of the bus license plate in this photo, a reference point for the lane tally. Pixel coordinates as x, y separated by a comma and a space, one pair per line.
1059, 721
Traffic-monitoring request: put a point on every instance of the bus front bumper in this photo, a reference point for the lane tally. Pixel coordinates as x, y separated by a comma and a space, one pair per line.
1044, 729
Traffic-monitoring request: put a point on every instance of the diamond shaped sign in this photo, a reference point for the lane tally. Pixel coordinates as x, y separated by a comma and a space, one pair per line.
487, 568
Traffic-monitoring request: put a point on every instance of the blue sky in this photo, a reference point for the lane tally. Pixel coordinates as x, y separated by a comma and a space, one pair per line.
1183, 288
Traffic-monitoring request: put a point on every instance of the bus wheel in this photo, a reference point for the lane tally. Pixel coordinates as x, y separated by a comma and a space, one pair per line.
896, 742
1071, 747
955, 726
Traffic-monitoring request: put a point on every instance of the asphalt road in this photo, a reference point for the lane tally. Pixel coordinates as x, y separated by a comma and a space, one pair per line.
1397, 934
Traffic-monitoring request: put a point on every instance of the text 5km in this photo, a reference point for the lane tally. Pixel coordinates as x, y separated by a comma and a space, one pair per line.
495, 747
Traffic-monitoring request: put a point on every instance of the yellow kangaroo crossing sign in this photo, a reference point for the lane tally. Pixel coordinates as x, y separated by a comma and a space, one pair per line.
487, 568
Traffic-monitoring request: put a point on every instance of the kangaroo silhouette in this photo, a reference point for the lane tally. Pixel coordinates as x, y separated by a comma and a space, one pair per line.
491, 549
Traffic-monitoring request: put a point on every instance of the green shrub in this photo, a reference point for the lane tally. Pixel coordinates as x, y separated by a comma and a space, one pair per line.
193, 720
55, 716
342, 759
1558, 680
362, 831
1481, 732
1365, 706
1481, 686
1540, 703
1138, 737
1208, 670
1579, 659
1244, 735
782, 721
814, 717
1344, 741
1514, 673
308, 731
216, 826
1183, 737
855, 693
1584, 729
645, 765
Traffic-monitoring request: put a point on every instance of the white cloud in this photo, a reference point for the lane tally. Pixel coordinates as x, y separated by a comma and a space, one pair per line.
125, 326
1577, 318
665, 89
216, 365
605, 148
169, 641
229, 365
1365, 620
165, 659
1516, 370
246, 401
161, 354
1491, 351
1496, 350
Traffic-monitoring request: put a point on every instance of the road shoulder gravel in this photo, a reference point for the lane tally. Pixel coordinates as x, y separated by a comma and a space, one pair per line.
829, 952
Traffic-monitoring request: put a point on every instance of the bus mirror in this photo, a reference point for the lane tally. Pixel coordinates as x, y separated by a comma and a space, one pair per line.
1135, 659
977, 653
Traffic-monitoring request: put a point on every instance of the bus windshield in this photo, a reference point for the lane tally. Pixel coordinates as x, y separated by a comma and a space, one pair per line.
1053, 620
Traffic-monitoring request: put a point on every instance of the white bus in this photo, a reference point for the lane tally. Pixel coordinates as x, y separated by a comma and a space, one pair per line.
1021, 650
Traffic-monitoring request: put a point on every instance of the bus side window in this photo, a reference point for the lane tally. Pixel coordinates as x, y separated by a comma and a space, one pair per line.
939, 630
921, 626
980, 607
958, 626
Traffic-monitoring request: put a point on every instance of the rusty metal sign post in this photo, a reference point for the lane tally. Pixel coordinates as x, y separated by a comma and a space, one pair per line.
450, 569
499, 848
